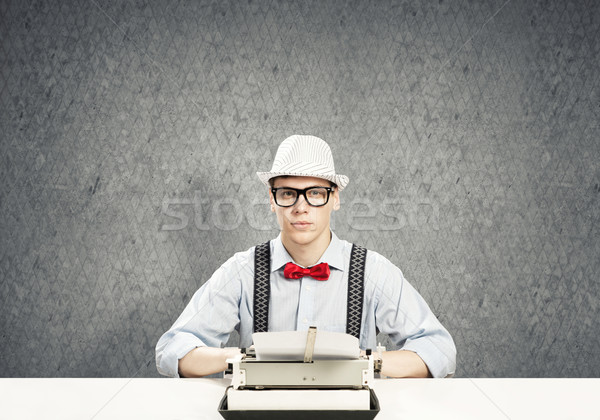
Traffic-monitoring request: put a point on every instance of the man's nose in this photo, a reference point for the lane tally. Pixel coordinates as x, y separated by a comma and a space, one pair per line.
301, 205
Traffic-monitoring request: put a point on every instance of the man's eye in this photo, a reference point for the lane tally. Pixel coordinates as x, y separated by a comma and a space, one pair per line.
318, 193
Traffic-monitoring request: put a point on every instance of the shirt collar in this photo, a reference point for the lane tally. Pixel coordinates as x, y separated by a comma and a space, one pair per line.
333, 255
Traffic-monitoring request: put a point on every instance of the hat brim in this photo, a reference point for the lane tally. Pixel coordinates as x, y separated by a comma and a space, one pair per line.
340, 180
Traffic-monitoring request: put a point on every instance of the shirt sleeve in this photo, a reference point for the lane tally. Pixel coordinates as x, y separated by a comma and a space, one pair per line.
402, 313
208, 319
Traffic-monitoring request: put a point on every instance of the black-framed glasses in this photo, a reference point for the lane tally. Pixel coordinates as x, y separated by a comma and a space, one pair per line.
314, 196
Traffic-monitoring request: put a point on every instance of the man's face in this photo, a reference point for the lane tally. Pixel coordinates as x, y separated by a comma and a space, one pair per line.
303, 223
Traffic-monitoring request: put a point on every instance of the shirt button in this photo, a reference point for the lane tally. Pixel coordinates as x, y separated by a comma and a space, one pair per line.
307, 287
305, 321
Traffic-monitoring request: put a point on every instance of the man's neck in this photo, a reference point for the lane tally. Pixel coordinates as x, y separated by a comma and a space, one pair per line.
309, 254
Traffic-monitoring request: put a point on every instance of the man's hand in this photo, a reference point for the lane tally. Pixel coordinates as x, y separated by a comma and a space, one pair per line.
204, 361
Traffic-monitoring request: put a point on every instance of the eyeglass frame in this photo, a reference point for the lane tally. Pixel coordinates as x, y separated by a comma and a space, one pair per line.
303, 193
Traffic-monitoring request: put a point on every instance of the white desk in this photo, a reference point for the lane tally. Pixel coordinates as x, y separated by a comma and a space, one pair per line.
399, 398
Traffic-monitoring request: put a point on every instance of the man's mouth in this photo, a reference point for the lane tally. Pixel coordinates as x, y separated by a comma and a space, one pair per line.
301, 224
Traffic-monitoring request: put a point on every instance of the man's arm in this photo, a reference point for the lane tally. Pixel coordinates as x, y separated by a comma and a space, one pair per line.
403, 314
206, 322
403, 364
204, 361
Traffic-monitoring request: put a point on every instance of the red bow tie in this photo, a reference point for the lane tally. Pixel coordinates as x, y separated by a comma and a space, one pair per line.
318, 272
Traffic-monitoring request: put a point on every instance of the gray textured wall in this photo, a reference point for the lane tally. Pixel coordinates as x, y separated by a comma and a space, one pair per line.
469, 130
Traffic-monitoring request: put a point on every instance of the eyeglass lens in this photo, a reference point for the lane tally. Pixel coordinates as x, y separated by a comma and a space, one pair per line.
315, 196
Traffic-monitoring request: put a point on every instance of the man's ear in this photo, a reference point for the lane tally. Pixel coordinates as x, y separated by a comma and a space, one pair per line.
336, 199
271, 201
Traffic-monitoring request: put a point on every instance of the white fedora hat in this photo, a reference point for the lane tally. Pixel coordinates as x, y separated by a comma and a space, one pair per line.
300, 155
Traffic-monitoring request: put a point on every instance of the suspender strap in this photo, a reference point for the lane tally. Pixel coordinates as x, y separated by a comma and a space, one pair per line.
356, 290
262, 286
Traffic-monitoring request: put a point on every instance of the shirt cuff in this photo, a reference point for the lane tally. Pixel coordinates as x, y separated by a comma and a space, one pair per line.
180, 345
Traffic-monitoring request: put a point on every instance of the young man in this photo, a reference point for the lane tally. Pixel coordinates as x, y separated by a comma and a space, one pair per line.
308, 283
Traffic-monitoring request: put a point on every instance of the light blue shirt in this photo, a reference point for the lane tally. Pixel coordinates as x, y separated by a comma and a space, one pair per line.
391, 305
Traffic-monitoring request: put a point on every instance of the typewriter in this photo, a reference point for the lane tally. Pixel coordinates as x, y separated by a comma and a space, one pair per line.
323, 382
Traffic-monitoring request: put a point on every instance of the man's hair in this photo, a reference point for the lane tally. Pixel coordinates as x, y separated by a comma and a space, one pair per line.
272, 181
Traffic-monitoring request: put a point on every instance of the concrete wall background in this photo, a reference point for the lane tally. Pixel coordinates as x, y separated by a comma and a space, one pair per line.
469, 131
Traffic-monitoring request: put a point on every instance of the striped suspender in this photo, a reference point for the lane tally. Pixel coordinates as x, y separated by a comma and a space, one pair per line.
262, 278
356, 290
262, 286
